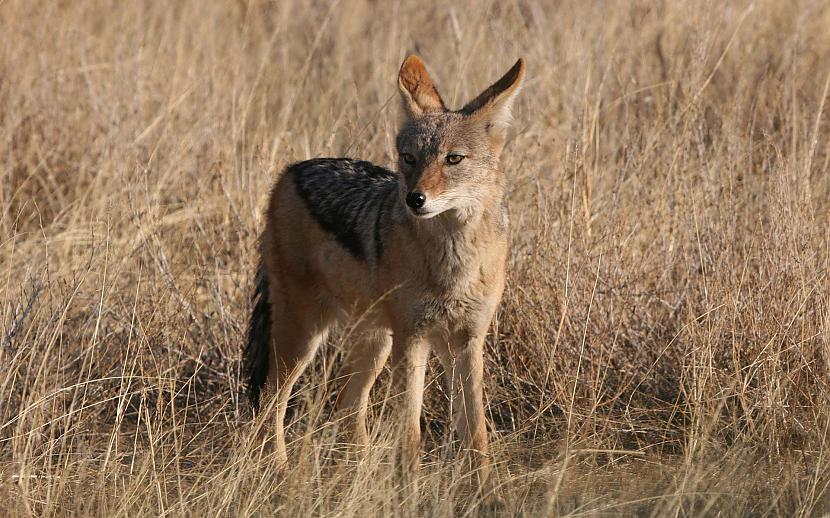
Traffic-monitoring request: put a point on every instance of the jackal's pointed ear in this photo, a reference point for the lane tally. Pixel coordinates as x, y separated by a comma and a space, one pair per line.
493, 105
418, 93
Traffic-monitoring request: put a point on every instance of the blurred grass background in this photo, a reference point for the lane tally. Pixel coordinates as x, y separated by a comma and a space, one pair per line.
662, 348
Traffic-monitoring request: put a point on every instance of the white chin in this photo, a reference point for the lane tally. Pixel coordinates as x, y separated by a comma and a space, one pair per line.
423, 214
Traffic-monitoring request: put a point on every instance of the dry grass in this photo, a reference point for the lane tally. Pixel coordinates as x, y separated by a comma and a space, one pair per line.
663, 344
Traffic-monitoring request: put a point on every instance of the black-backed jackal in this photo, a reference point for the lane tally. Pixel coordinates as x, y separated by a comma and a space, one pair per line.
419, 253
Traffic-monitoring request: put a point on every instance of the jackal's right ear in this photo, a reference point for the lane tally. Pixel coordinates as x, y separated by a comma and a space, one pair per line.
418, 93
493, 105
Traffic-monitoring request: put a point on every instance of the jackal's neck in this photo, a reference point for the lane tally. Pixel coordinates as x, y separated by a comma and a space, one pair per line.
456, 234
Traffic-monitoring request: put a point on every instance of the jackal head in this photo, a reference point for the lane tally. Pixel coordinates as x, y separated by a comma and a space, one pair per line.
449, 159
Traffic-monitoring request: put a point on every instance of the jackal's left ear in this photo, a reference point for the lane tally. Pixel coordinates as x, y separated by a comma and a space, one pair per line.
418, 93
493, 105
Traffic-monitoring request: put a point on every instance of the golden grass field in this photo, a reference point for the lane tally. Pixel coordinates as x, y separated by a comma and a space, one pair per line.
663, 347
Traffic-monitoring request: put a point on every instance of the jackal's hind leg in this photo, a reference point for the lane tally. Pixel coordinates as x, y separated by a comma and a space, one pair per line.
296, 335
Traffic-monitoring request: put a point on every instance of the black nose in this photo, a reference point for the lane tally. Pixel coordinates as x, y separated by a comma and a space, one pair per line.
416, 200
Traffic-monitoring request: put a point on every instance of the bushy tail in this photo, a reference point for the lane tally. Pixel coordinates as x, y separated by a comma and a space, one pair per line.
258, 348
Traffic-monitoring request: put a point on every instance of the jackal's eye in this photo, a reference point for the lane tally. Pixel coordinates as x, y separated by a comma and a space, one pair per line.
408, 159
454, 159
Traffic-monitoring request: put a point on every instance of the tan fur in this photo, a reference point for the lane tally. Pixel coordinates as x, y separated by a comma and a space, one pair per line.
435, 288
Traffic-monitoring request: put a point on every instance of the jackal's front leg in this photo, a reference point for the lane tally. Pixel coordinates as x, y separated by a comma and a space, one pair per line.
463, 362
363, 364
409, 361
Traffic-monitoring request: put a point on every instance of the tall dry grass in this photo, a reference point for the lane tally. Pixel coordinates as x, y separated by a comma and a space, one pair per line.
662, 348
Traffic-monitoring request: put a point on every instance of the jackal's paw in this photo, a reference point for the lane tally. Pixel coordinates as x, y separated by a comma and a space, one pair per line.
492, 505
268, 450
